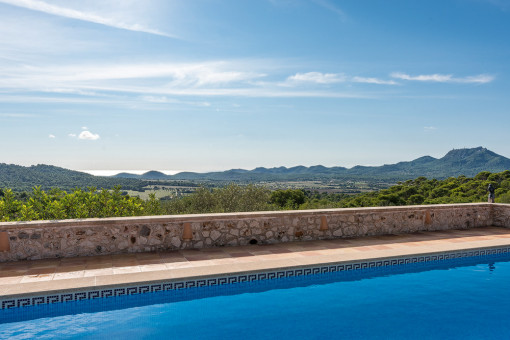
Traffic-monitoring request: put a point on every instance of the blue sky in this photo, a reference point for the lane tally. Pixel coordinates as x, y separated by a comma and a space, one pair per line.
210, 84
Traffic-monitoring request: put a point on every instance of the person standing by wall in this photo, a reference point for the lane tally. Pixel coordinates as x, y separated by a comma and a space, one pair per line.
492, 196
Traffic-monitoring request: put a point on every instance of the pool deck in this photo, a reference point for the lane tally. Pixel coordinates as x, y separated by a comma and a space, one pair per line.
50, 275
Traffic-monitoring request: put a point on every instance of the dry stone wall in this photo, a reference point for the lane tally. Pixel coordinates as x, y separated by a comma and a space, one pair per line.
70, 238
501, 215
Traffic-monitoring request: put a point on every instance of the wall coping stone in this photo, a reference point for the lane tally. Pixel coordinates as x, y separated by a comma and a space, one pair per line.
237, 215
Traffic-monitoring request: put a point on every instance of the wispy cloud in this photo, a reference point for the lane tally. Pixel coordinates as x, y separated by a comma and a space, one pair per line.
52, 136
44, 7
429, 128
166, 82
169, 100
317, 78
331, 78
373, 81
194, 74
445, 78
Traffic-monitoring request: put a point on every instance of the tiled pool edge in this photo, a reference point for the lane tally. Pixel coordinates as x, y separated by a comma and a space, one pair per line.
106, 291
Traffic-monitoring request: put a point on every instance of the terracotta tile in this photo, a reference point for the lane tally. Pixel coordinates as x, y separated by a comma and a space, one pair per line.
45, 263
125, 263
69, 275
37, 278
147, 256
98, 272
150, 261
190, 251
177, 265
211, 250
125, 270
73, 261
99, 259
280, 251
40, 271
12, 273
197, 258
261, 252
310, 253
94, 266
152, 267
380, 247
365, 248
14, 265
175, 259
241, 254
10, 280
171, 254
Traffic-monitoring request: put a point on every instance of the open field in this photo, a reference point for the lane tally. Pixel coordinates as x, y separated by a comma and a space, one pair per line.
167, 190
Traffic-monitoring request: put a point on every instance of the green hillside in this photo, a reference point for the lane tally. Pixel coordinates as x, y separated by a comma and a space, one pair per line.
432, 191
21, 178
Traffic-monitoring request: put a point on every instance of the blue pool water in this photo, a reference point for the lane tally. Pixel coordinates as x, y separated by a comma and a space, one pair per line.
470, 300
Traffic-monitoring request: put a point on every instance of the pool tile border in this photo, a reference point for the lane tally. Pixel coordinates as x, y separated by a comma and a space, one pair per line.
107, 292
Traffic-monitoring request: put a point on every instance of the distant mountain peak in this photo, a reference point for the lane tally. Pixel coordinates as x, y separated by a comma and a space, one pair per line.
466, 152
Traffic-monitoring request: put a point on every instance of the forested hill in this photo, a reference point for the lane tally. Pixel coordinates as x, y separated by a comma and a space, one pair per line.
23, 178
457, 162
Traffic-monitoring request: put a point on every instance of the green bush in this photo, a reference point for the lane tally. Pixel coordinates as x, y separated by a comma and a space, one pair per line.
57, 204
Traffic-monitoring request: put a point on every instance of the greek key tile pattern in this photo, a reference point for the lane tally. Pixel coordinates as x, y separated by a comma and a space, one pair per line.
233, 279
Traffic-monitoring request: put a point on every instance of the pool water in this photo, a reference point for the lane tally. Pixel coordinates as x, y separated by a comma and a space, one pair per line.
468, 301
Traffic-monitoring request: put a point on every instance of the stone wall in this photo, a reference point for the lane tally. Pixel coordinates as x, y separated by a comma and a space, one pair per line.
501, 215
69, 238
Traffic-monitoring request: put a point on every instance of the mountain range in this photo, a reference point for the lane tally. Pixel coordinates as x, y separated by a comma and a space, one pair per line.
457, 162
468, 162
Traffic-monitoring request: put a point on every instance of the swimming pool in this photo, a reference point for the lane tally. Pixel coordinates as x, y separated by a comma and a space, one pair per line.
452, 297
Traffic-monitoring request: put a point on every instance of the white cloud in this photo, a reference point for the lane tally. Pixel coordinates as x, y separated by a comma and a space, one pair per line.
480, 79
445, 78
317, 77
167, 100
52, 136
44, 7
373, 81
331, 78
169, 82
72, 135
84, 128
429, 128
196, 74
87, 135
158, 99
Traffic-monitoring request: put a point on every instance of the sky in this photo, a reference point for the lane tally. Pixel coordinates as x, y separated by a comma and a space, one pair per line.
206, 85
